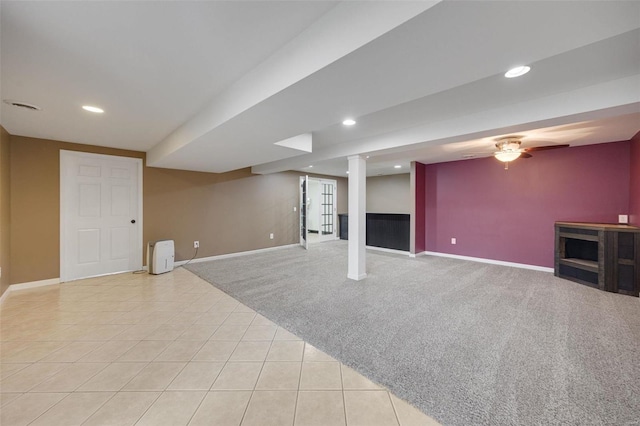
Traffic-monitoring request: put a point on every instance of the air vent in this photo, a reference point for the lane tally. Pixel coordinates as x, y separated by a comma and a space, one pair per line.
24, 105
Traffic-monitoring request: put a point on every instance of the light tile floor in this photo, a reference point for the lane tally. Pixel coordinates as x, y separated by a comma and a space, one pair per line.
171, 350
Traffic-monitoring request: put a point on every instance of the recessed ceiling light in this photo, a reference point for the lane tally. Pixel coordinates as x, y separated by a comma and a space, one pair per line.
367, 156
347, 171
517, 71
349, 122
92, 109
397, 166
311, 166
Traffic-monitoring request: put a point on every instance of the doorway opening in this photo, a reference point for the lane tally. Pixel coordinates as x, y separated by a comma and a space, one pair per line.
318, 209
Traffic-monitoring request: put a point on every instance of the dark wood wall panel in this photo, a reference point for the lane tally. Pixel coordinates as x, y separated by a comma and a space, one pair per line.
386, 230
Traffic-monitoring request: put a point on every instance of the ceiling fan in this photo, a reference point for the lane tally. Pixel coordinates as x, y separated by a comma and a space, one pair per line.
509, 149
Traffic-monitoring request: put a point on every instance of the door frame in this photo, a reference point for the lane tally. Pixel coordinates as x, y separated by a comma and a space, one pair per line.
334, 235
303, 222
65, 156
334, 182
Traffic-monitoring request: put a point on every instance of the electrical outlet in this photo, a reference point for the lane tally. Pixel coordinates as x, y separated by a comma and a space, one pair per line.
453, 241
196, 244
295, 209
623, 218
271, 236
0, 271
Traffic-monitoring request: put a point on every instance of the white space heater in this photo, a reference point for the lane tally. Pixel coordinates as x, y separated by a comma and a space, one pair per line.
160, 256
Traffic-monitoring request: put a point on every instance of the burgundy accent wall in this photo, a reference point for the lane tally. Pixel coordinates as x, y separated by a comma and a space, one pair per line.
420, 197
509, 215
431, 206
634, 181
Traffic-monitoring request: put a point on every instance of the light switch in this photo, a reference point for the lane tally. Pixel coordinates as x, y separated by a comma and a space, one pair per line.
623, 218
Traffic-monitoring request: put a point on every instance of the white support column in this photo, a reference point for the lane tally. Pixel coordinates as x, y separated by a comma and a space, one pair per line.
357, 218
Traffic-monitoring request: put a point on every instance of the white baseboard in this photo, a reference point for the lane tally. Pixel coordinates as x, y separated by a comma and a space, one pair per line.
34, 284
28, 285
357, 277
491, 261
387, 250
5, 295
240, 253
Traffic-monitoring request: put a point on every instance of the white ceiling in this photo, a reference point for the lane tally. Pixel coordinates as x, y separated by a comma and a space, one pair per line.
212, 86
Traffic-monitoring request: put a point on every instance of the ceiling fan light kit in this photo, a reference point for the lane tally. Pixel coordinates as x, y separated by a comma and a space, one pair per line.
509, 149
506, 156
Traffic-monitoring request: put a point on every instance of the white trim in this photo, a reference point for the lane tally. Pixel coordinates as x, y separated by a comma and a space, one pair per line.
5, 295
34, 284
28, 285
328, 237
64, 156
237, 254
102, 275
388, 250
491, 261
357, 277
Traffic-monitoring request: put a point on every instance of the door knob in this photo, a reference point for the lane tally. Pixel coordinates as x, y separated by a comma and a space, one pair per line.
133, 221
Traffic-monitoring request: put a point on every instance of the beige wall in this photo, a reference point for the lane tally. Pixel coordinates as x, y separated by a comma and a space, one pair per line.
343, 193
227, 212
389, 194
5, 236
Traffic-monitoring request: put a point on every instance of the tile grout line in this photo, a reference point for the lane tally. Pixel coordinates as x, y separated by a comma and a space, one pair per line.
344, 399
97, 409
148, 408
48, 409
295, 409
204, 396
393, 407
257, 378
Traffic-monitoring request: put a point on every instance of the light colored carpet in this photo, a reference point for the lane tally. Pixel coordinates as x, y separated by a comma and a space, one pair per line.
468, 343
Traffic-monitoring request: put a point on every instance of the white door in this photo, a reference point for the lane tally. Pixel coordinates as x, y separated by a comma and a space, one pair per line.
328, 209
304, 231
100, 215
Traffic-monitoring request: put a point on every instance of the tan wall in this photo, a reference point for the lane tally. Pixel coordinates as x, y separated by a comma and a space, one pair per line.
389, 194
227, 212
343, 193
5, 193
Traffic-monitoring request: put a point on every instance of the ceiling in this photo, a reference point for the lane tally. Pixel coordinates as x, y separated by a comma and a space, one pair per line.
214, 86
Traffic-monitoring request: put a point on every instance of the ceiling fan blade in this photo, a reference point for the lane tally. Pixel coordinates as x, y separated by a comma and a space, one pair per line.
545, 148
525, 155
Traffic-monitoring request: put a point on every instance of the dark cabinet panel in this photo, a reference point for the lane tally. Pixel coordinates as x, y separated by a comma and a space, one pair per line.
344, 226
